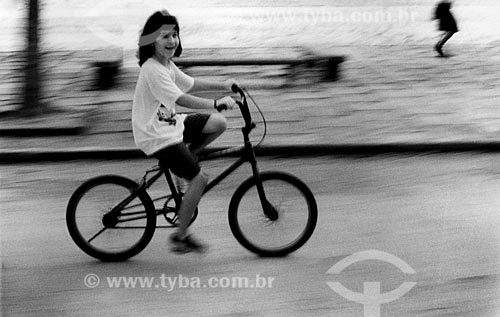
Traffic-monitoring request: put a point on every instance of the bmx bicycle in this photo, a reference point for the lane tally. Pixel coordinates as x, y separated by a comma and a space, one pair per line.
272, 213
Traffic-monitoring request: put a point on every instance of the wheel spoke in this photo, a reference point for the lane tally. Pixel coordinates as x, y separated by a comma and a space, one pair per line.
97, 234
132, 218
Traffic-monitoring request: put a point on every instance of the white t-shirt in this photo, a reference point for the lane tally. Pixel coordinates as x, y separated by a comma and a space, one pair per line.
154, 122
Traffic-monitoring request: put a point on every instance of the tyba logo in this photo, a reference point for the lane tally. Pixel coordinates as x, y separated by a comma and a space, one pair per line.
371, 297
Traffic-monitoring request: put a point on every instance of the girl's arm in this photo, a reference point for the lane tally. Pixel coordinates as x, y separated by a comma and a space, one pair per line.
204, 84
194, 102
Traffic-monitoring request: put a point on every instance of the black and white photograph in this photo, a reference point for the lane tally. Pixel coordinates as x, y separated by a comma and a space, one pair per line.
250, 158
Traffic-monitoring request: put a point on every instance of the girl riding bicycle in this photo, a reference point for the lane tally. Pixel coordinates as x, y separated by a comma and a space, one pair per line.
160, 131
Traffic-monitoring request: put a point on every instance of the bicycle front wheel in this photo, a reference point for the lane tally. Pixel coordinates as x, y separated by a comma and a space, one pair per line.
109, 220
292, 220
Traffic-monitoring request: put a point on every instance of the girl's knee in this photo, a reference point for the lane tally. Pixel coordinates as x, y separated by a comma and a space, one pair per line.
216, 123
221, 121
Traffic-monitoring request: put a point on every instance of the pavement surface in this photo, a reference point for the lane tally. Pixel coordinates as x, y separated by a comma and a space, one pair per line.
437, 213
388, 98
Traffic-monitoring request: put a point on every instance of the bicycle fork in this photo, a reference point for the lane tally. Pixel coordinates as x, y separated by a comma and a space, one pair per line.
248, 156
269, 210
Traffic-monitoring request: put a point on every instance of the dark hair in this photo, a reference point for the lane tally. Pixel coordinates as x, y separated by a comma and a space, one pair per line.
153, 24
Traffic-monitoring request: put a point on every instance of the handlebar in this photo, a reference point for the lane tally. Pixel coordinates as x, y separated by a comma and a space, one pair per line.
243, 105
245, 112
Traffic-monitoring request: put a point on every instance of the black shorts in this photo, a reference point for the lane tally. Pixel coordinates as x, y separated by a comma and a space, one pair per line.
178, 158
193, 126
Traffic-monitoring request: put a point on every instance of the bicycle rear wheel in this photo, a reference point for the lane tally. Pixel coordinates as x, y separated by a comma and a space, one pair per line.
292, 225
109, 220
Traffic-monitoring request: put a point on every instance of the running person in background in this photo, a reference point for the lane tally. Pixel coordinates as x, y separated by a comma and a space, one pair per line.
447, 24
161, 132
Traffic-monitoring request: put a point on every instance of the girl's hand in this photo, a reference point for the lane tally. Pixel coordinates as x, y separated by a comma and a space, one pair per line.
225, 103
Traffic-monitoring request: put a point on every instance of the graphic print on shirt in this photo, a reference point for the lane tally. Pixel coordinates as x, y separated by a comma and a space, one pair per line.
164, 115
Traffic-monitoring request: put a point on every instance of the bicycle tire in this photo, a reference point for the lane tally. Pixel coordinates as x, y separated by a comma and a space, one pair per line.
89, 198
242, 208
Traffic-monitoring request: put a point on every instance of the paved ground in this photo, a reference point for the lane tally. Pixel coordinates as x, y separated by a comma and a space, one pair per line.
387, 95
438, 213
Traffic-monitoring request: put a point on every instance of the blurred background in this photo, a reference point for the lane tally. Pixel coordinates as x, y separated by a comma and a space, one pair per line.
74, 35
72, 24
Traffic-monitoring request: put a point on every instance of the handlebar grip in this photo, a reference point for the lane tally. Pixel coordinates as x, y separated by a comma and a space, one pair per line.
235, 88
245, 112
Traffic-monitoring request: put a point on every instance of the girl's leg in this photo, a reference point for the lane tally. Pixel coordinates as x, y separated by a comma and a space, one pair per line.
180, 161
190, 201
214, 127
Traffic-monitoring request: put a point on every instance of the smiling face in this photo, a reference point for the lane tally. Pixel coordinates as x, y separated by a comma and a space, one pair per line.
166, 44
